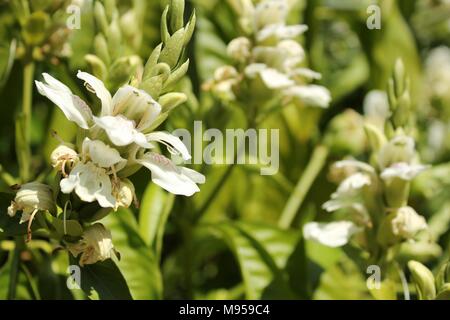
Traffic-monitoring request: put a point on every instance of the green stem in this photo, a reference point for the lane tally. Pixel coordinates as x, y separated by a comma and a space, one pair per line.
315, 165
23, 139
14, 272
6, 177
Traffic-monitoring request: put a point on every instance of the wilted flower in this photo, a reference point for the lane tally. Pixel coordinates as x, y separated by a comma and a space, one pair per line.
31, 198
407, 223
95, 245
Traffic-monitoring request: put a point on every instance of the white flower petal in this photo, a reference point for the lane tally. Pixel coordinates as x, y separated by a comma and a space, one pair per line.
72, 106
333, 234
136, 104
281, 31
90, 183
122, 131
354, 182
175, 145
101, 154
403, 171
100, 91
274, 79
354, 164
176, 180
270, 12
312, 95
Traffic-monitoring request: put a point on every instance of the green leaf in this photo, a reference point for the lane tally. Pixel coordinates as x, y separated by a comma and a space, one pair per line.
22, 291
103, 280
262, 253
155, 208
138, 263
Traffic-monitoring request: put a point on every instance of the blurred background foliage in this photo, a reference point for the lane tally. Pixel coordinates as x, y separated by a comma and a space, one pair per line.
170, 248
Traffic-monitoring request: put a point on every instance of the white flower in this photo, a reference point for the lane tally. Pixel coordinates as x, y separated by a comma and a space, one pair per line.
399, 149
126, 120
407, 223
72, 106
175, 179
402, 170
376, 107
280, 32
269, 12
123, 117
348, 194
272, 78
284, 57
437, 71
90, 183
311, 95
96, 245
239, 49
333, 234
354, 165
101, 154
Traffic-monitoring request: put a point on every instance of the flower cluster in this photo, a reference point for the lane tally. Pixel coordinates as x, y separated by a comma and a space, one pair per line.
268, 59
373, 198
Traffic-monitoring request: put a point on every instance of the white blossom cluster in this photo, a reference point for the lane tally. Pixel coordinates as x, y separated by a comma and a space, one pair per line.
116, 143
373, 194
269, 59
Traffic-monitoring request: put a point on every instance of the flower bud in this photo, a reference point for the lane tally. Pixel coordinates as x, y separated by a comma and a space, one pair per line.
95, 245
347, 124
424, 280
124, 193
239, 49
63, 157
407, 223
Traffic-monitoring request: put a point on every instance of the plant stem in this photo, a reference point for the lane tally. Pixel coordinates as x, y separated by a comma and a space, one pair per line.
315, 165
23, 141
14, 272
6, 177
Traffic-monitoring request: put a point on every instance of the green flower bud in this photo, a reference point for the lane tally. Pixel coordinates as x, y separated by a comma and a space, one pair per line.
97, 66
347, 124
424, 280
171, 100
122, 70
175, 76
172, 49
176, 14
101, 49
114, 37
100, 17
375, 137
396, 191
